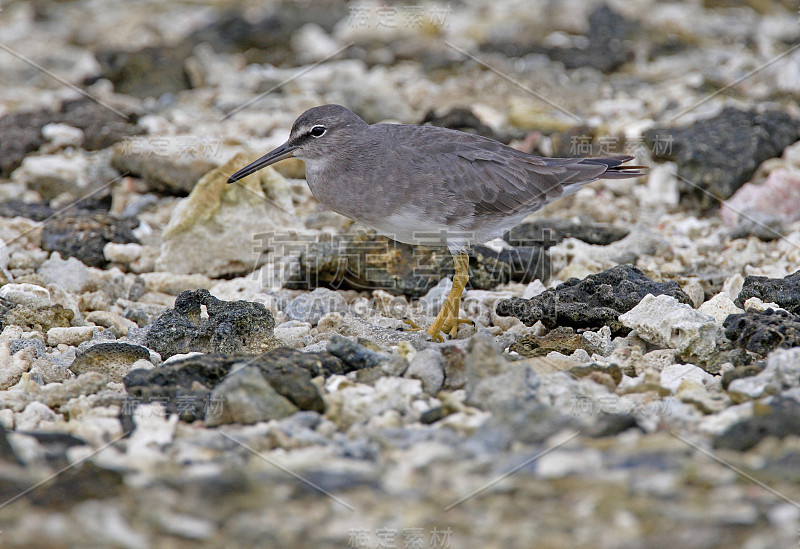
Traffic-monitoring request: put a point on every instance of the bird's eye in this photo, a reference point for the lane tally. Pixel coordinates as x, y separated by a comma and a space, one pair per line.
318, 131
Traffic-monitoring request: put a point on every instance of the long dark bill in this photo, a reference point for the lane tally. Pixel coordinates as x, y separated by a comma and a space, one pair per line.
284, 151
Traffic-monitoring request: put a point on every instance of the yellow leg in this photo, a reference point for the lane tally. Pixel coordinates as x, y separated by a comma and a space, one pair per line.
447, 320
414, 327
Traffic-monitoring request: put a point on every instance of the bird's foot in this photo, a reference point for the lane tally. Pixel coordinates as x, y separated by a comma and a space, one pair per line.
414, 327
447, 320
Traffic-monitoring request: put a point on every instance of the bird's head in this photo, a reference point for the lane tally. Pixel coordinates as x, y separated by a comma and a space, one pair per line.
317, 133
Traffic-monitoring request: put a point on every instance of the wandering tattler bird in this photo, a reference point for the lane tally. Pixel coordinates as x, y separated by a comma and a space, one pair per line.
409, 182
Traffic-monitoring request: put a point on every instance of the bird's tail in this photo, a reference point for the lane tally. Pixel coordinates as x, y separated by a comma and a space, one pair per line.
614, 167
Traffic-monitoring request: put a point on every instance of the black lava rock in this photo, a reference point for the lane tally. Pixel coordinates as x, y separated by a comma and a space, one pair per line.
21, 133
782, 419
148, 72
608, 45
75, 484
101, 127
155, 70
763, 331
462, 119
549, 232
32, 210
317, 364
718, 155
85, 236
593, 302
783, 291
363, 260
232, 327
183, 387
354, 356
525, 263
740, 372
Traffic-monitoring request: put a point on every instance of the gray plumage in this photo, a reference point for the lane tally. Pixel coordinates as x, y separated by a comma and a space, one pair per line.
415, 183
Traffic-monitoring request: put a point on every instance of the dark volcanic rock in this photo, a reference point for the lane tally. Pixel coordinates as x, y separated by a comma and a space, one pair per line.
525, 263
607, 49
740, 372
232, 327
593, 302
317, 364
783, 291
718, 155
101, 127
155, 70
75, 484
462, 119
549, 232
763, 331
16, 208
362, 260
149, 72
85, 236
184, 386
781, 420
354, 356
21, 133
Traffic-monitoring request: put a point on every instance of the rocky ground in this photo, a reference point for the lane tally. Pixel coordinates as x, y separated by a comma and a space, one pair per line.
184, 362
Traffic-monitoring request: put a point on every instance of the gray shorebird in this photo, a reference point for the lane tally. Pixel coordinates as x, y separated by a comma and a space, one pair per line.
407, 180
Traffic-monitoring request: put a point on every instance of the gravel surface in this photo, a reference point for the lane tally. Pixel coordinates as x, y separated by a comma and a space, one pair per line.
189, 363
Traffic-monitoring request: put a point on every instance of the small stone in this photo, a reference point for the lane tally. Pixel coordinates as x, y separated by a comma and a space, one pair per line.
232, 327
73, 335
122, 253
672, 376
25, 294
782, 372
562, 340
311, 307
62, 135
34, 414
174, 284
428, 367
455, 375
665, 322
112, 359
355, 356
109, 319
19, 344
780, 420
163, 166
85, 236
288, 372
40, 318
493, 382
70, 274
14, 366
692, 392
293, 333
778, 197
719, 307
247, 398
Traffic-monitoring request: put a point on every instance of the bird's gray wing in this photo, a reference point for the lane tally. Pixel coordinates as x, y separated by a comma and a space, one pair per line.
490, 177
